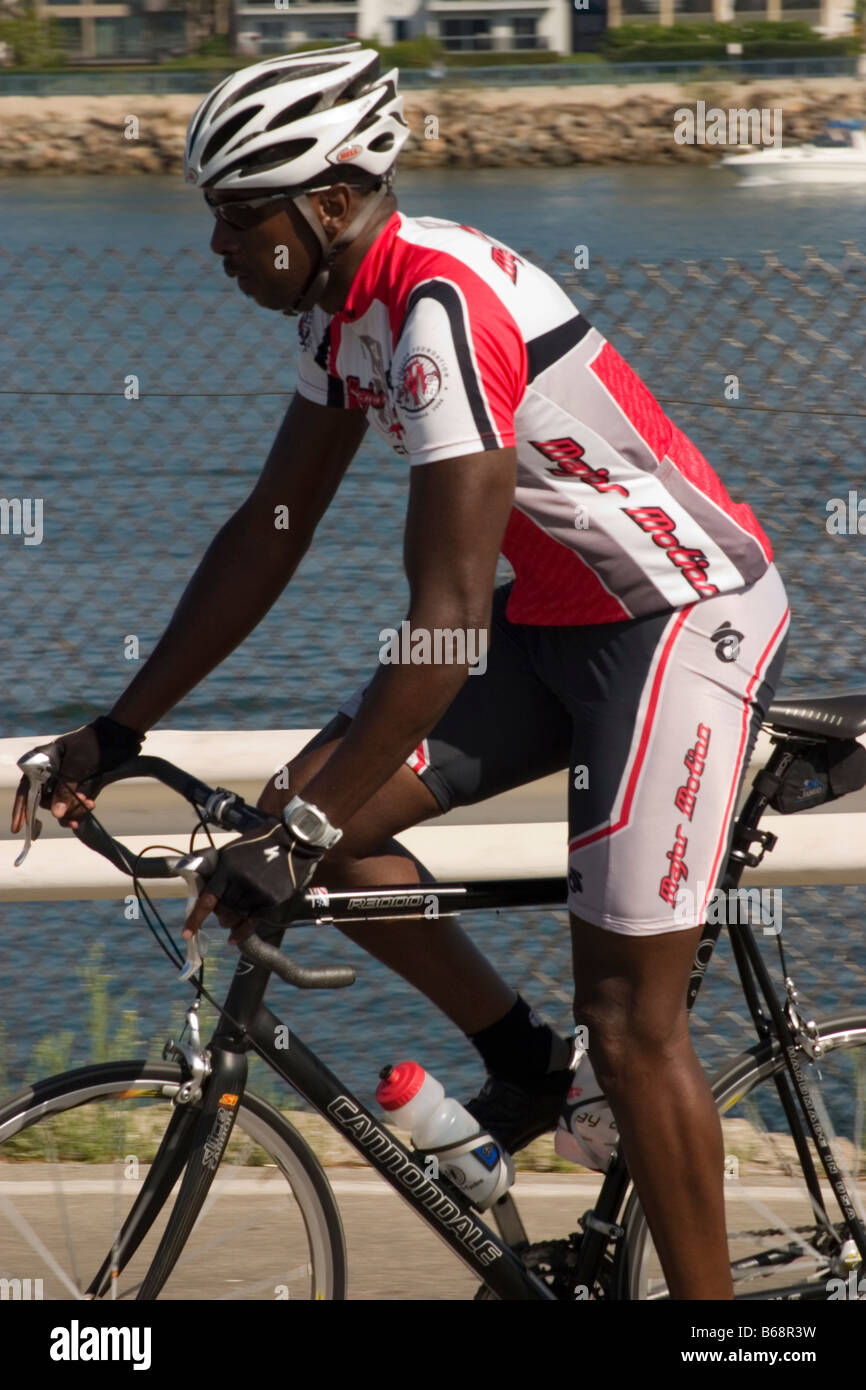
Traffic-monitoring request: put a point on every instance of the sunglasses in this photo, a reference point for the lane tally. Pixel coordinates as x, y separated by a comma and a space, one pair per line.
242, 216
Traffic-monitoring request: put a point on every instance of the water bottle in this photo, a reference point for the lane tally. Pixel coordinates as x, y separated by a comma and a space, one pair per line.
441, 1127
587, 1132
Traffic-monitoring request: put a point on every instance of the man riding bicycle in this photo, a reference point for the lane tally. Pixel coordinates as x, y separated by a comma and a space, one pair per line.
640, 641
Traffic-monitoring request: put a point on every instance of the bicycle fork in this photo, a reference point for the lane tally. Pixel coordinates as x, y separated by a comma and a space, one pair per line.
196, 1139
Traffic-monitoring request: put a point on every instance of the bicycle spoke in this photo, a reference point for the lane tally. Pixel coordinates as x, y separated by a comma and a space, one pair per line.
60, 1200
293, 1276
38, 1246
800, 1242
262, 1233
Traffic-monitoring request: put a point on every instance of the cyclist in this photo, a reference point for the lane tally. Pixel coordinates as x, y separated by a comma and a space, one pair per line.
638, 645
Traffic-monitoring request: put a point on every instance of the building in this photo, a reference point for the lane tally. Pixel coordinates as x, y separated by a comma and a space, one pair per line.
481, 26
831, 17
485, 26
149, 30
135, 29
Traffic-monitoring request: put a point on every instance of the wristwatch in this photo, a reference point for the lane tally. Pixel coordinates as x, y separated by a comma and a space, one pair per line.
309, 825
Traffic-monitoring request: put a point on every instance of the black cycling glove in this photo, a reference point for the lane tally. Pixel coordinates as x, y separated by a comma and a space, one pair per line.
262, 870
82, 755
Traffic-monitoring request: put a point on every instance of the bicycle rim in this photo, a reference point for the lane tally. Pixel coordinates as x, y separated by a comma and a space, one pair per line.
779, 1247
74, 1151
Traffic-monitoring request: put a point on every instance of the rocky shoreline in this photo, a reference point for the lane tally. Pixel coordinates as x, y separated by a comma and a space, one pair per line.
451, 127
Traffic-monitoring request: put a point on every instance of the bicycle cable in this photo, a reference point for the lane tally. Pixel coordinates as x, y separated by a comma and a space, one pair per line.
171, 949
197, 980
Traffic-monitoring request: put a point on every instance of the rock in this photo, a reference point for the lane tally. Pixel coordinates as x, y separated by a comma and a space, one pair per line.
489, 130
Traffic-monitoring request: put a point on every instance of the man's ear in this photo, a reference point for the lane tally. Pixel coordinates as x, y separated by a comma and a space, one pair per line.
336, 202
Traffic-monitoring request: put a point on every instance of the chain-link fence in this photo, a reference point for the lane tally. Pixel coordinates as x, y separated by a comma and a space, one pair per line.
138, 398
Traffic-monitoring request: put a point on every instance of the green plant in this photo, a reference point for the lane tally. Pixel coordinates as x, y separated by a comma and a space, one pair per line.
421, 52
706, 39
92, 1132
35, 41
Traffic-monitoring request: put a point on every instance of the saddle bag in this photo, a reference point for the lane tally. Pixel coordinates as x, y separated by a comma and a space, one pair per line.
822, 772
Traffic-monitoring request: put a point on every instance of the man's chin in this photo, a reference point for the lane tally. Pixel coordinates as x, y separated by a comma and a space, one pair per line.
266, 296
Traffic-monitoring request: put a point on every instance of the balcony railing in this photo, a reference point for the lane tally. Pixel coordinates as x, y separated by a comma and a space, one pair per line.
92, 81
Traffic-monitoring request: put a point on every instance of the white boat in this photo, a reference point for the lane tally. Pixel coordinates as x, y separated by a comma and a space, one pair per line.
837, 156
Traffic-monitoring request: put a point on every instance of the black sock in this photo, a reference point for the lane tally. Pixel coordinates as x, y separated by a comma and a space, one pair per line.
520, 1048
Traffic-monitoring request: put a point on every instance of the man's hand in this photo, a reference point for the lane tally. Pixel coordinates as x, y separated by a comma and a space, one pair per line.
78, 758
256, 875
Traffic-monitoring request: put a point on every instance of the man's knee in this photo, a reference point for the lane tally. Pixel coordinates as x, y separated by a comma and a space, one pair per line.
625, 1043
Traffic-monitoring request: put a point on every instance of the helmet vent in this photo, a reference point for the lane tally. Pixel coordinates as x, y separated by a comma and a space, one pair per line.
221, 137
273, 157
280, 76
205, 108
362, 83
296, 112
382, 142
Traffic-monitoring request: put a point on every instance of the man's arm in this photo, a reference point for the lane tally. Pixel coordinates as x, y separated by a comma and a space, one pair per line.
250, 561
244, 571
458, 511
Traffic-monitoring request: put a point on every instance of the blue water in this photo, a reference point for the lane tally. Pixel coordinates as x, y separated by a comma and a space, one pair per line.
134, 491
653, 213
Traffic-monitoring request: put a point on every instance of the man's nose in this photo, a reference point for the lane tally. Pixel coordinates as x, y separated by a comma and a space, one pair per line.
224, 238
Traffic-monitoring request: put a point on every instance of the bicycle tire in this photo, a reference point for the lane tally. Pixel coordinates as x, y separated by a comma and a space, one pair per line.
733, 1084
314, 1215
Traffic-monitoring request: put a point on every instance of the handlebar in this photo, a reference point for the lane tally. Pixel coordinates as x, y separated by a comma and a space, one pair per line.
216, 806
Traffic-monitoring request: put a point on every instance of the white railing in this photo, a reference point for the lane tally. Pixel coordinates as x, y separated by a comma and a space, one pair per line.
520, 834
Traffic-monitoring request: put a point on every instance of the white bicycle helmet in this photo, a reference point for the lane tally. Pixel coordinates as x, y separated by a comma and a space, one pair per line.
297, 124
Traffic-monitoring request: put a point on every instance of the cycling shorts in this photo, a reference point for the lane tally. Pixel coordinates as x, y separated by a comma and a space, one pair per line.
655, 719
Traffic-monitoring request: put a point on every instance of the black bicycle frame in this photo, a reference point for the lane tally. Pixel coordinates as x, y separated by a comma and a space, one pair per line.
436, 1201
246, 1022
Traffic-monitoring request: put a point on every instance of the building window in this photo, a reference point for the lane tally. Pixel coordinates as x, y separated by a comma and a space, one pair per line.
461, 35
109, 38
401, 30
526, 32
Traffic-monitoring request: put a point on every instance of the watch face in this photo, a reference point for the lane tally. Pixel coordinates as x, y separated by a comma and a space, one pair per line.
306, 823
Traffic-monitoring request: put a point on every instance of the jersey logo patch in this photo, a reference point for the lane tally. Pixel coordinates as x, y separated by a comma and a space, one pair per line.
420, 383
507, 261
727, 641
362, 397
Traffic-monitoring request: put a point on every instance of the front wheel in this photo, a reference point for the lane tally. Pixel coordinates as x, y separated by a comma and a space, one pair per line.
779, 1248
74, 1152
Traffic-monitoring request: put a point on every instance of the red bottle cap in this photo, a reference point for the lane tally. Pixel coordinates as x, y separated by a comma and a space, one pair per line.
399, 1084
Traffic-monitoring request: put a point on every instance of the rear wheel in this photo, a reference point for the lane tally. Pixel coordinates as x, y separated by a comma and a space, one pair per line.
74, 1151
779, 1247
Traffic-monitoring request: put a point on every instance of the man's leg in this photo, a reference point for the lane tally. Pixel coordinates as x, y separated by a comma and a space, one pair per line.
630, 993
437, 957
504, 729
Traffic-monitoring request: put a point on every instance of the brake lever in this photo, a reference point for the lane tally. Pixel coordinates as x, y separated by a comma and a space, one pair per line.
38, 770
188, 867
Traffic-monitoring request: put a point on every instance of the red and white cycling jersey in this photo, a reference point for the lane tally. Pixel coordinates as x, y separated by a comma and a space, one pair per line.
453, 344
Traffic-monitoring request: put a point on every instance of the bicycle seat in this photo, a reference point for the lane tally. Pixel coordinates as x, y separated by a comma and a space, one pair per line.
821, 716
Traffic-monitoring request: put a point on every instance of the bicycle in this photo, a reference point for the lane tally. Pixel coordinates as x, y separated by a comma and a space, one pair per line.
192, 1112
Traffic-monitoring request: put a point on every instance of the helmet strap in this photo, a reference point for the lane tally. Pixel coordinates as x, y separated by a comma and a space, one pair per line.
331, 249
